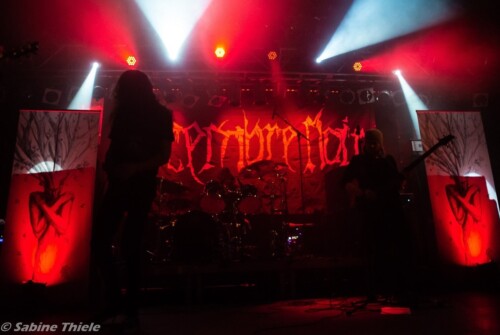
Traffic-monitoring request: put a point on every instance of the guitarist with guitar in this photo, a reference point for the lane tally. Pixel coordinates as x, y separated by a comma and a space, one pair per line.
373, 182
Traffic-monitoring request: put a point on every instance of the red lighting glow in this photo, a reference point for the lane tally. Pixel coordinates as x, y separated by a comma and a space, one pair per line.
131, 60
48, 255
463, 240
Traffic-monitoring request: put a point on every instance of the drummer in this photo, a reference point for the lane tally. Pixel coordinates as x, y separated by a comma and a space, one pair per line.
227, 180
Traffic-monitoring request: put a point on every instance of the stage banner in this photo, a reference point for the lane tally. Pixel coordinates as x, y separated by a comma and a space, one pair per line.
278, 153
48, 224
461, 187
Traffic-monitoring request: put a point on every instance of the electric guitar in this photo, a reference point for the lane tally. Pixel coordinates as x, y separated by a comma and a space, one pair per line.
355, 191
443, 141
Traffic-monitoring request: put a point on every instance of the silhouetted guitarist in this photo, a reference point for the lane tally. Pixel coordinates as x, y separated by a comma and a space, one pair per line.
373, 182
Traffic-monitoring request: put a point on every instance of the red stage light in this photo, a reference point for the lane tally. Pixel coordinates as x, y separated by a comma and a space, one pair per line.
272, 55
131, 61
220, 52
357, 66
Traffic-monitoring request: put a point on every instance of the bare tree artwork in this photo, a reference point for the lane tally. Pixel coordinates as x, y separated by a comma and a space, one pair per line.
49, 142
458, 159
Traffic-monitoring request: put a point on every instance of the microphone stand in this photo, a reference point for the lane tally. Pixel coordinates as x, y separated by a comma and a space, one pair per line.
299, 137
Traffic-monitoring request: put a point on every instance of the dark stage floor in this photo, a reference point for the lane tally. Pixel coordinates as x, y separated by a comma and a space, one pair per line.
457, 313
299, 296
453, 313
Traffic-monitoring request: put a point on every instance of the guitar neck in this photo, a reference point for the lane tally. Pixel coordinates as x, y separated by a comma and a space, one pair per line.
426, 154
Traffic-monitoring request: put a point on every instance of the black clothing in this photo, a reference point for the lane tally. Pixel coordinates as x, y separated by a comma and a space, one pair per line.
133, 140
382, 233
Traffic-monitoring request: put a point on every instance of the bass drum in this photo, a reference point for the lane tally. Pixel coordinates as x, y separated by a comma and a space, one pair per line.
195, 238
250, 203
212, 200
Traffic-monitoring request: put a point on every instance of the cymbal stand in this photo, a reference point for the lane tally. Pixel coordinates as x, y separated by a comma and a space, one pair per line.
301, 173
284, 199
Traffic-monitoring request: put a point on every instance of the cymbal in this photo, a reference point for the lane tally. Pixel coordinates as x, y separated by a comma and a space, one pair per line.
281, 168
247, 173
263, 164
257, 169
261, 168
170, 187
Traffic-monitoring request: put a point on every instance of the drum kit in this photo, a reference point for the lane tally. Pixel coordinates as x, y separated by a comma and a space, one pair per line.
224, 208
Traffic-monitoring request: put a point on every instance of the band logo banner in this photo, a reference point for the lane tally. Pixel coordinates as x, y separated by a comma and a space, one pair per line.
283, 154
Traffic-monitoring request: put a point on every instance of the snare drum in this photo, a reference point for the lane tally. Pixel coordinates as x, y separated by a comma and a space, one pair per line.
250, 203
212, 200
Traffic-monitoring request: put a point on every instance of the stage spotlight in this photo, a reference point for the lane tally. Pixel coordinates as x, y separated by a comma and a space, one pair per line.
407, 96
384, 98
217, 101
272, 55
83, 98
366, 96
369, 22
332, 94
51, 96
357, 66
173, 21
72, 93
347, 97
131, 61
220, 52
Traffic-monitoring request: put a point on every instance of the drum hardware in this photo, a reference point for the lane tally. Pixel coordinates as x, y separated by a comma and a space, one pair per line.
166, 186
170, 199
262, 168
249, 202
268, 179
231, 240
227, 209
287, 239
295, 235
167, 207
178, 206
300, 136
294, 239
275, 195
162, 240
233, 226
212, 200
